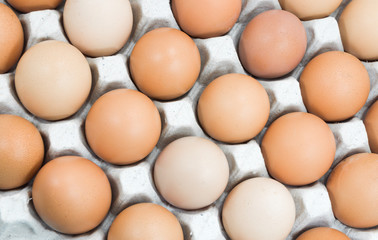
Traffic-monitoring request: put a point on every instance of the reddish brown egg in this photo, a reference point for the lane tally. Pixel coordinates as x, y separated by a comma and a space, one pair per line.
21, 151
11, 38
165, 63
33, 5
272, 44
323, 233
310, 9
371, 124
145, 221
123, 126
334, 86
206, 18
298, 148
353, 190
71, 194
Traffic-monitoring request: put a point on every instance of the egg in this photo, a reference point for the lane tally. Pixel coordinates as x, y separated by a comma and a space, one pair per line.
358, 23
323, 233
371, 125
353, 189
233, 108
123, 126
334, 86
33, 5
21, 151
71, 194
146, 221
258, 209
272, 44
309, 9
191, 173
206, 18
98, 28
298, 148
53, 80
165, 63
11, 38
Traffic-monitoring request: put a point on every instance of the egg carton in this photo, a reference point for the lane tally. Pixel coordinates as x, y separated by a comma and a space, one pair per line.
134, 183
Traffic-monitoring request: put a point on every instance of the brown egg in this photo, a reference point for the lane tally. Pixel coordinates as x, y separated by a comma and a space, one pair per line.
33, 5
272, 44
298, 148
358, 25
258, 209
53, 80
21, 151
96, 27
71, 194
334, 86
11, 38
145, 221
123, 126
323, 233
310, 9
353, 190
371, 125
165, 63
233, 108
191, 172
206, 18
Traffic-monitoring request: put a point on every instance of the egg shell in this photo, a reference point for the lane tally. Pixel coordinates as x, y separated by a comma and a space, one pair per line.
272, 44
334, 86
323, 233
233, 108
53, 80
191, 172
310, 9
145, 221
358, 25
123, 126
206, 18
11, 38
258, 209
298, 148
353, 189
371, 125
21, 151
71, 194
33, 5
98, 28
165, 63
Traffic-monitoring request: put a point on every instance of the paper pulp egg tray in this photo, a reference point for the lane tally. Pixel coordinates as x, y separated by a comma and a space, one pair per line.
134, 183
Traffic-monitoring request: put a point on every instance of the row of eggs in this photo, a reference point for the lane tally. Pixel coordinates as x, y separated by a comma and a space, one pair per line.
25, 89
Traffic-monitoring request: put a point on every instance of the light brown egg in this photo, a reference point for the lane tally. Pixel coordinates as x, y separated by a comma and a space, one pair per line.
358, 25
233, 108
144, 221
272, 44
21, 151
371, 125
258, 209
96, 27
11, 38
310, 9
206, 18
334, 86
123, 126
323, 233
298, 148
53, 80
33, 5
71, 194
165, 63
191, 172
353, 190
